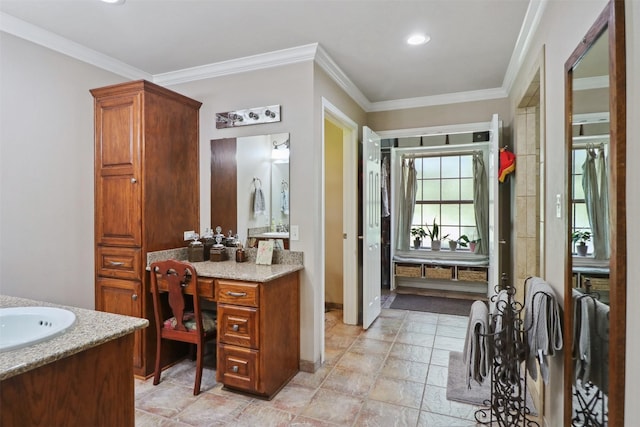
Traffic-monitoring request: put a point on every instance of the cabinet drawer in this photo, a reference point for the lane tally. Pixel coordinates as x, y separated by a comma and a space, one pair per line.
121, 263
239, 293
238, 325
238, 367
206, 287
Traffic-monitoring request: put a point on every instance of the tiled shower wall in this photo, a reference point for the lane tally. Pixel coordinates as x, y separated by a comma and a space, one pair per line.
528, 193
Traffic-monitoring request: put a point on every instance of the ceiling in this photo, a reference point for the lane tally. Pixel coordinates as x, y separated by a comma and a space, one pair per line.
473, 52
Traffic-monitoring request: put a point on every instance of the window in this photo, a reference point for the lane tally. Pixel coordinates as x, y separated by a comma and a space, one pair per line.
580, 218
445, 192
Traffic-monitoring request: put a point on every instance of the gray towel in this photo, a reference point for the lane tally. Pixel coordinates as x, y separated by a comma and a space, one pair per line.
259, 206
284, 202
476, 351
591, 341
543, 326
502, 303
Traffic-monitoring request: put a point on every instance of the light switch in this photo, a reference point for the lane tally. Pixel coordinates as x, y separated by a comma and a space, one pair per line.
558, 206
295, 232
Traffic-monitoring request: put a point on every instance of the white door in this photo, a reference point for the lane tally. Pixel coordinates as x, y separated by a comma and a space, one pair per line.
495, 247
371, 248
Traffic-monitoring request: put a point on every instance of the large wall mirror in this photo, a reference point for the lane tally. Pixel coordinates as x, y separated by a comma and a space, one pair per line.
250, 187
595, 290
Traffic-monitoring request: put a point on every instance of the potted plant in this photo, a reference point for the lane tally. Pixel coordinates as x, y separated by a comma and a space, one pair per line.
580, 238
418, 234
472, 244
434, 235
462, 241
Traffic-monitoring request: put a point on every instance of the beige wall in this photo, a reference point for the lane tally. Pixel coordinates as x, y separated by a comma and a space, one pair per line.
46, 169
441, 115
290, 86
333, 276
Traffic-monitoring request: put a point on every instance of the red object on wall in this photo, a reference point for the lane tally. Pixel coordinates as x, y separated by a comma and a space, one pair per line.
507, 164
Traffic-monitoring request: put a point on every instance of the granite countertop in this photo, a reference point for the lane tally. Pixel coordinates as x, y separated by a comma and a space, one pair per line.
285, 262
246, 271
90, 329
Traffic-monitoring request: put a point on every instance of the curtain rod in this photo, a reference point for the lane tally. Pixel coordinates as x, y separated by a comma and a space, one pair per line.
440, 153
439, 150
585, 144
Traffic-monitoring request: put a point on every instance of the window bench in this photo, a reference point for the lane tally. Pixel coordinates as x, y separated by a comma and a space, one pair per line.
442, 270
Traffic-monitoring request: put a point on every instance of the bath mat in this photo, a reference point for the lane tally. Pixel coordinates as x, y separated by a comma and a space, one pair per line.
458, 391
459, 307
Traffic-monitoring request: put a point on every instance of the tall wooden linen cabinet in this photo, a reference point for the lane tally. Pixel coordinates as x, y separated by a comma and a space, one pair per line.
146, 195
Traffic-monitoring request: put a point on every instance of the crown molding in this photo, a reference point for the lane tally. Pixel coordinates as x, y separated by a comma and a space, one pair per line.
310, 52
523, 43
586, 83
585, 118
325, 62
435, 130
447, 98
240, 65
42, 37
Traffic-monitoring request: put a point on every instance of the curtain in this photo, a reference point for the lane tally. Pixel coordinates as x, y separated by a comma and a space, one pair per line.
408, 190
596, 196
385, 186
481, 203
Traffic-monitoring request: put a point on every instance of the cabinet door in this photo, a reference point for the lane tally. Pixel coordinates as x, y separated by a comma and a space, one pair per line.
118, 171
122, 297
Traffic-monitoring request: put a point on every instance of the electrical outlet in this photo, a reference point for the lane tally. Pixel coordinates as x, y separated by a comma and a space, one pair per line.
189, 235
295, 233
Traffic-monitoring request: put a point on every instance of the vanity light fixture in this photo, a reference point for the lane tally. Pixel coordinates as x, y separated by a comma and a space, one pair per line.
113, 1
249, 116
280, 151
418, 39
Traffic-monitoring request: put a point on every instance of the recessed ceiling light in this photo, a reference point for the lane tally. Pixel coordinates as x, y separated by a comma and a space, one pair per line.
114, 1
418, 39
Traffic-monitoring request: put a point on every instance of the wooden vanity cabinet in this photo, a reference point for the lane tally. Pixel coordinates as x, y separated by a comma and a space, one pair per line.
146, 194
258, 334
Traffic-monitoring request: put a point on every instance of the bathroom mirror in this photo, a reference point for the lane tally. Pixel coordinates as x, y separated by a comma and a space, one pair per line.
250, 187
595, 282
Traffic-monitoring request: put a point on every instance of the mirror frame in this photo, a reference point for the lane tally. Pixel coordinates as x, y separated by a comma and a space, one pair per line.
612, 18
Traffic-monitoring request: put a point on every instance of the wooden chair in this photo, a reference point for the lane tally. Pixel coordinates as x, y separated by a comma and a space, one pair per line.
184, 321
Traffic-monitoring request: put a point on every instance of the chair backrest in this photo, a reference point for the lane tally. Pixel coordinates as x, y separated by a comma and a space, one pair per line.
179, 277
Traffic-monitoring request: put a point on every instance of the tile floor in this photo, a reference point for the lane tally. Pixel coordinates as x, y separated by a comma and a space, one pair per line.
393, 374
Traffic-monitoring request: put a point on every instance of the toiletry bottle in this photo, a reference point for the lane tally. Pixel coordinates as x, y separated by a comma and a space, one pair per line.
240, 254
196, 250
208, 241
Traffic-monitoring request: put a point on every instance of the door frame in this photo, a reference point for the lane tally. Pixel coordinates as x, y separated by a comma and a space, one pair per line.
349, 214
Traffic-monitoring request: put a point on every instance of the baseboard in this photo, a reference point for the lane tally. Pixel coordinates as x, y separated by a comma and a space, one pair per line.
440, 293
308, 366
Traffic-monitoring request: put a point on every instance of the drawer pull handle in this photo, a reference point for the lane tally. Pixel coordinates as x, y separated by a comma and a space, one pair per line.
236, 294
235, 328
234, 369
116, 263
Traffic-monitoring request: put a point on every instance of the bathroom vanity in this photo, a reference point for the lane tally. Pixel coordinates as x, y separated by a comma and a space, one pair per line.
83, 377
258, 349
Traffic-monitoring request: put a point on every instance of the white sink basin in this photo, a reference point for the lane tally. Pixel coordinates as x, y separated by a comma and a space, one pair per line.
277, 234
24, 326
